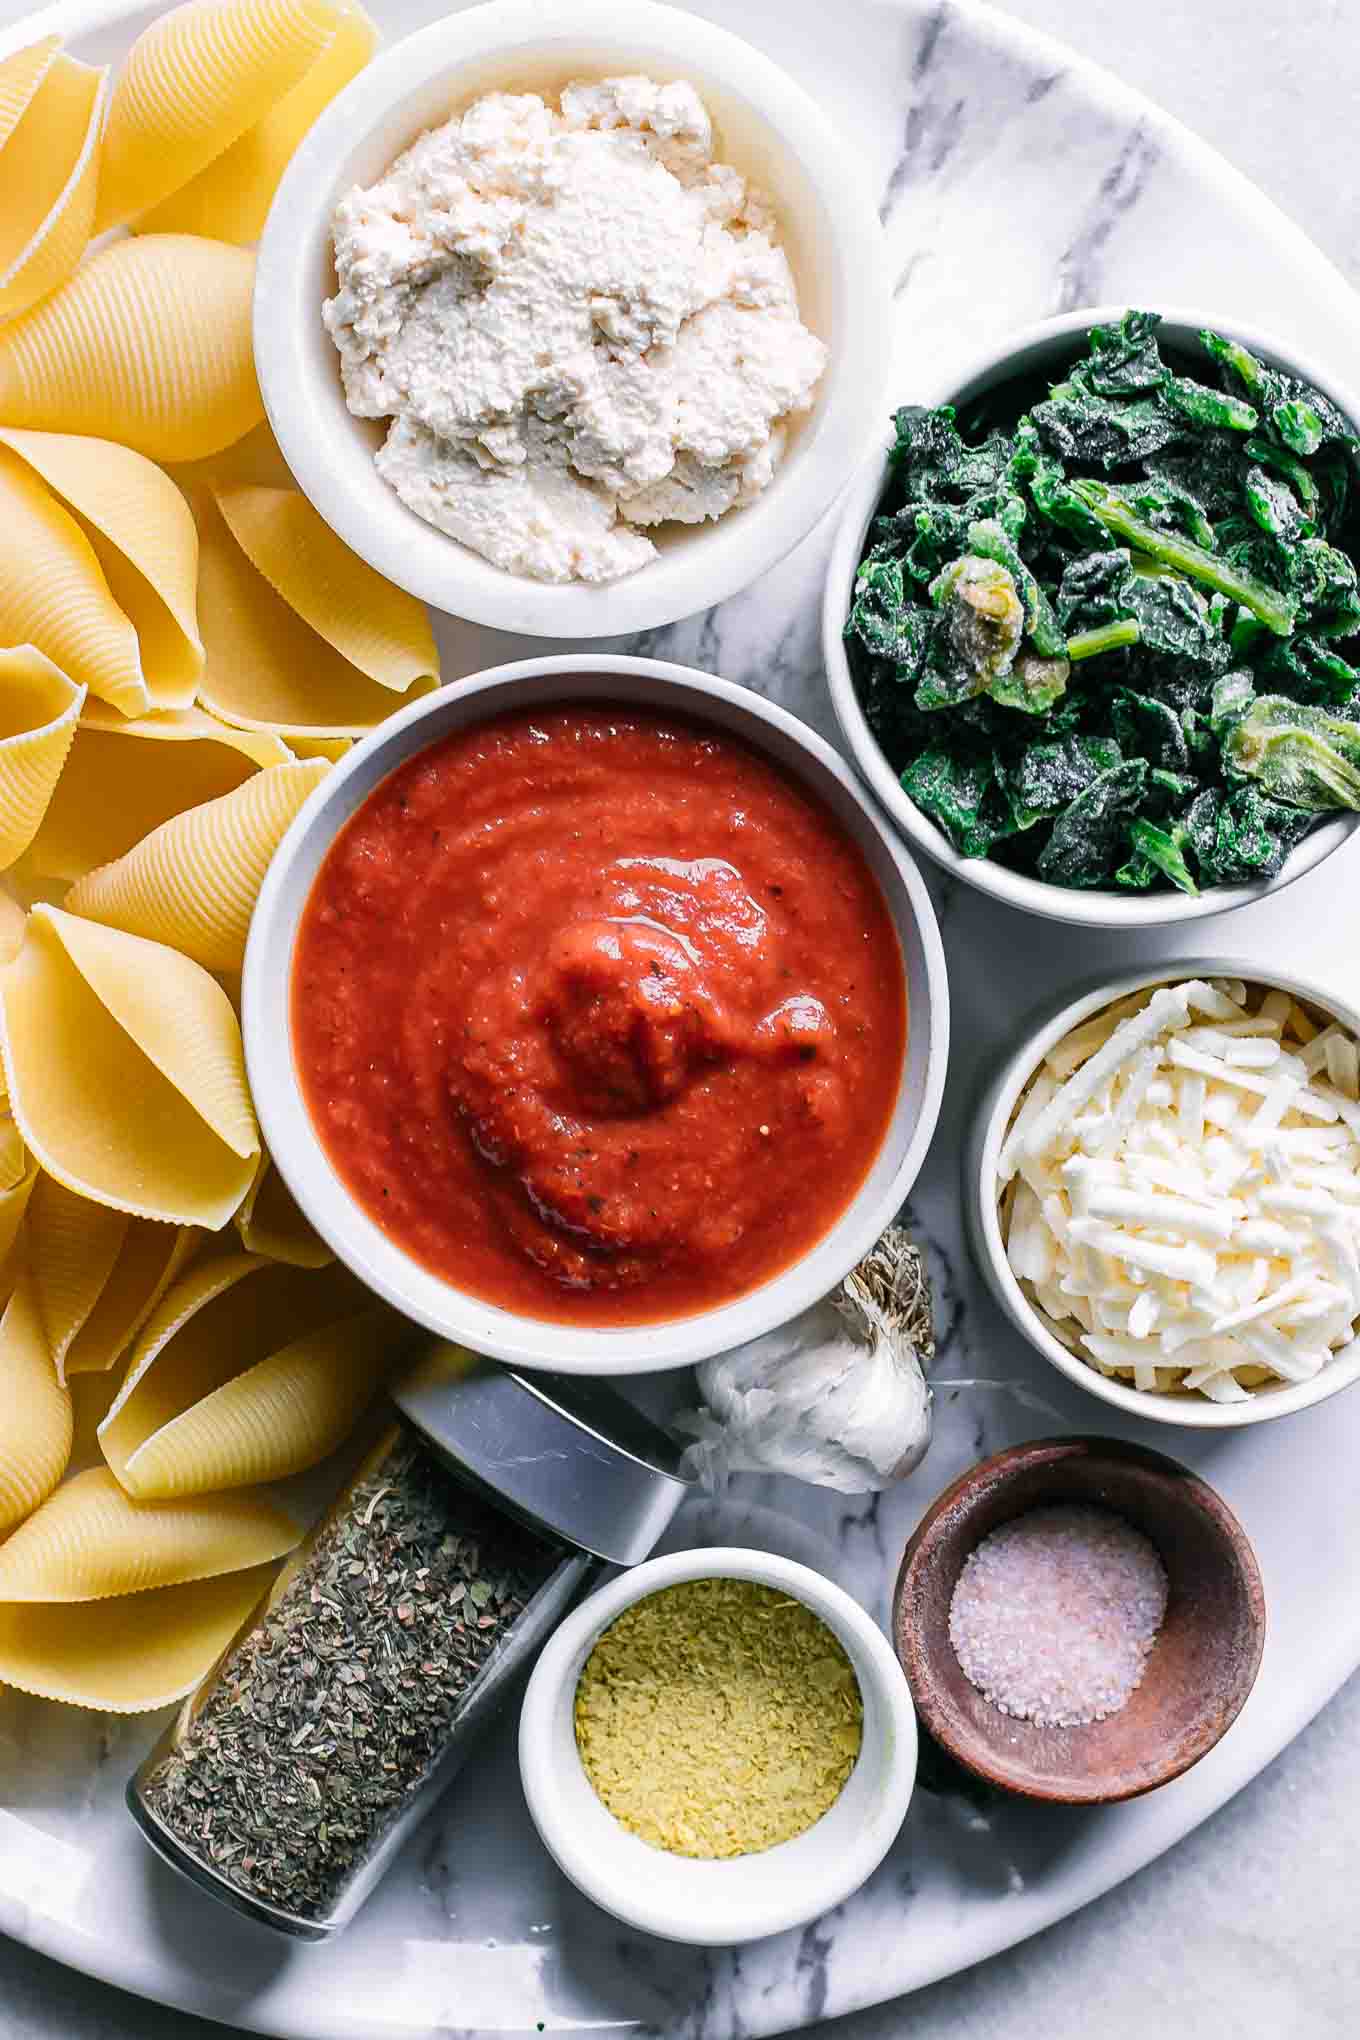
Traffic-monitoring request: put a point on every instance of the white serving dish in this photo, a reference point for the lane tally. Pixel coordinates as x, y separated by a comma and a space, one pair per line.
767, 126
292, 1139
742, 1898
980, 134
1044, 347
995, 1107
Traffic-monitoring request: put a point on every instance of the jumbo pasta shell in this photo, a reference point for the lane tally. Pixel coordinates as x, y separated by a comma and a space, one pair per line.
72, 1247
126, 1073
39, 709
194, 881
132, 1653
268, 668
282, 1415
142, 532
14, 1204
48, 175
152, 1257
230, 200
20, 76
148, 343
195, 81
216, 1322
35, 1413
271, 1224
90, 1540
160, 765
55, 596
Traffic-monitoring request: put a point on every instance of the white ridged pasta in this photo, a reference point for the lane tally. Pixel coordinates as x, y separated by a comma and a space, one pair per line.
148, 343
142, 533
132, 1653
48, 172
54, 594
39, 708
90, 1540
267, 582
193, 882
161, 765
282, 1415
35, 1413
195, 81
230, 199
125, 1072
216, 1321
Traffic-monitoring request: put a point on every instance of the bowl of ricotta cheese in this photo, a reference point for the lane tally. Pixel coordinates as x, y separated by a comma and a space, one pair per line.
572, 322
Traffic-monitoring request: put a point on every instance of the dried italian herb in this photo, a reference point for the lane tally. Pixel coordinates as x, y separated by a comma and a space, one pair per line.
330, 1713
718, 1717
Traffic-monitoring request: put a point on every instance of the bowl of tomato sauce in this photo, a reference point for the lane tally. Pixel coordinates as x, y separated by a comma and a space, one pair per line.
594, 1017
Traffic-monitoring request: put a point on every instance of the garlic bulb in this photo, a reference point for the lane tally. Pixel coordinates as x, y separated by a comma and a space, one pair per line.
837, 1396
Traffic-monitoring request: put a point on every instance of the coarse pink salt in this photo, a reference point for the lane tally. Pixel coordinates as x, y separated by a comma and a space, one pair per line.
1054, 1614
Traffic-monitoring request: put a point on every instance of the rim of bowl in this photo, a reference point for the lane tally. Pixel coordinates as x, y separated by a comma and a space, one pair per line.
1098, 907
715, 562
854, 1859
980, 1202
296, 1148
995, 1475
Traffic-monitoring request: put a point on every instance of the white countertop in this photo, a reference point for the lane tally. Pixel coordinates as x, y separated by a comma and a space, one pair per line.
1249, 1926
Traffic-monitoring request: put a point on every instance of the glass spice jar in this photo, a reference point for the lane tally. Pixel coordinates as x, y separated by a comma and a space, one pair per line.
290, 1778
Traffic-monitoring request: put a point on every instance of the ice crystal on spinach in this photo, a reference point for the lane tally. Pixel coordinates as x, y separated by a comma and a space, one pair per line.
1112, 636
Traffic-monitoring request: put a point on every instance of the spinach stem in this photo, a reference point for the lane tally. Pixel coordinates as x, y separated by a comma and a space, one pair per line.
1106, 637
1275, 610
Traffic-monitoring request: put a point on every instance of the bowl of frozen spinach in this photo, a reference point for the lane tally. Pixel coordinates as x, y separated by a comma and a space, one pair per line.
1093, 629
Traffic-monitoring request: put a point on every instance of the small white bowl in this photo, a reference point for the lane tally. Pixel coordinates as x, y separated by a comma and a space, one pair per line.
741, 1898
1043, 347
1040, 1032
766, 126
302, 1160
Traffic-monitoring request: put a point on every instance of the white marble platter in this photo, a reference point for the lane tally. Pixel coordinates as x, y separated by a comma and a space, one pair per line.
1016, 181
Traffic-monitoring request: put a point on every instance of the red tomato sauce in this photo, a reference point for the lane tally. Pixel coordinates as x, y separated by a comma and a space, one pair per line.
599, 1015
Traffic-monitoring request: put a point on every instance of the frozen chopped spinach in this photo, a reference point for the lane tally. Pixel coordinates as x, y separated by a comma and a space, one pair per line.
1112, 636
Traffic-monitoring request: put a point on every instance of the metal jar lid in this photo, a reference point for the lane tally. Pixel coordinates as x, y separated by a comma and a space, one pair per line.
564, 1454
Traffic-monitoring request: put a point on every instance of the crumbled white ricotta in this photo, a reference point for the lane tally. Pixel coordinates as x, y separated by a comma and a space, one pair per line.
578, 323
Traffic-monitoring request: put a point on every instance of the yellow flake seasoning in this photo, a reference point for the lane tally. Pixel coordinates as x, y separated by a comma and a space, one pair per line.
718, 1718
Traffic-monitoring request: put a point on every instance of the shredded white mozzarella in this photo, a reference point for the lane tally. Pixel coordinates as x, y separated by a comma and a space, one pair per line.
1180, 1190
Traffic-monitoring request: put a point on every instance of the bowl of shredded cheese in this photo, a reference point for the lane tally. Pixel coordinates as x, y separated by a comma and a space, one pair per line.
1162, 1186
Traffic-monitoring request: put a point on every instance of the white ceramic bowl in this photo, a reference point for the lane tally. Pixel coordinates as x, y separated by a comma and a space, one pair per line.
292, 1138
1039, 1032
716, 1903
767, 127
1045, 347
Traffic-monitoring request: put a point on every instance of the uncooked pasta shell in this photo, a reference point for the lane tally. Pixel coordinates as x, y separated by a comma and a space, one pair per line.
268, 669
48, 175
35, 1413
148, 343
217, 1321
20, 76
39, 709
90, 1540
132, 1653
378, 628
282, 1415
230, 199
55, 595
160, 764
152, 1257
72, 1247
333, 748
13, 1153
193, 882
126, 1073
271, 1224
13, 1211
192, 84
142, 532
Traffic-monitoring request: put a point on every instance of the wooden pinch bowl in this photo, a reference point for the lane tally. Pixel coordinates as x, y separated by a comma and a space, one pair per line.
1201, 1667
